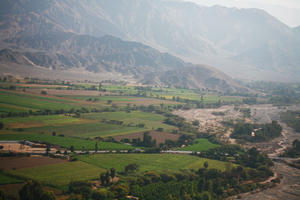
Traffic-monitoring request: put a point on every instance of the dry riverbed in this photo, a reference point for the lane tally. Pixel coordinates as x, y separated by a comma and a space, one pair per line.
289, 188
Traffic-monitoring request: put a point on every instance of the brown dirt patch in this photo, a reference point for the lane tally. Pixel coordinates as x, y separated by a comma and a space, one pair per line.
9, 163
160, 137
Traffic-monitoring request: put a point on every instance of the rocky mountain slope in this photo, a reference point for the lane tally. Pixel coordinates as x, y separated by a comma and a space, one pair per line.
107, 54
245, 43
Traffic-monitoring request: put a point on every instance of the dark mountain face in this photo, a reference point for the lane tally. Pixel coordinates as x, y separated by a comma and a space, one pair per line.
246, 43
233, 40
108, 54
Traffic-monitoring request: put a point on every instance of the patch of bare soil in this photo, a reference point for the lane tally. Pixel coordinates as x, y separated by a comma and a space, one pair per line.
9, 163
289, 188
209, 120
160, 137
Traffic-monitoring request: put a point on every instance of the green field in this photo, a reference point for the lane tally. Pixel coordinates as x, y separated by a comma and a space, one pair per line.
151, 120
66, 142
88, 130
150, 162
200, 144
60, 175
8, 99
5, 179
37, 121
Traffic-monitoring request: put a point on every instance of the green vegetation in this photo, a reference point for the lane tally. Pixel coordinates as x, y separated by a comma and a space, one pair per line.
88, 129
294, 151
256, 132
37, 121
151, 120
66, 142
59, 175
33, 102
200, 144
150, 162
292, 119
7, 179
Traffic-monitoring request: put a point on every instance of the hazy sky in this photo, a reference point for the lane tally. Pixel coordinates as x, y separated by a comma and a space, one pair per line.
287, 11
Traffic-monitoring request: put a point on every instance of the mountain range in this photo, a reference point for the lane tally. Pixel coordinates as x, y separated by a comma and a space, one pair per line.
60, 35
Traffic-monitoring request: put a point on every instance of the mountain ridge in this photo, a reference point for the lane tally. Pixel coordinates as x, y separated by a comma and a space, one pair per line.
108, 54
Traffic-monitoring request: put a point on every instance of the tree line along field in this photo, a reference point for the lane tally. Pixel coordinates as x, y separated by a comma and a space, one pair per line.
150, 162
90, 166
67, 142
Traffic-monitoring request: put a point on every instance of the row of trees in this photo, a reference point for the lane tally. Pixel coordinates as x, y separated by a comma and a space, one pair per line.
256, 132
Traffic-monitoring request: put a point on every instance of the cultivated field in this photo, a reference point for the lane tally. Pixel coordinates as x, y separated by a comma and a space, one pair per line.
9, 163
200, 144
151, 120
60, 175
150, 162
160, 137
67, 142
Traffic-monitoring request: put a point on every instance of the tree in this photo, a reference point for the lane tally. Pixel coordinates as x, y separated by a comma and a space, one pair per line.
112, 173
53, 133
48, 149
2, 195
102, 178
1, 125
196, 123
107, 177
72, 148
205, 164
33, 190
96, 147
43, 92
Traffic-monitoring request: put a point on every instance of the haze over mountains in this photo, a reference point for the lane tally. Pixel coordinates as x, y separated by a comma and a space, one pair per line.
244, 43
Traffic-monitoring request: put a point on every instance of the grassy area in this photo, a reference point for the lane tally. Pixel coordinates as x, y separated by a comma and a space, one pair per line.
5, 179
150, 162
200, 144
60, 175
151, 120
38, 121
88, 130
66, 142
33, 102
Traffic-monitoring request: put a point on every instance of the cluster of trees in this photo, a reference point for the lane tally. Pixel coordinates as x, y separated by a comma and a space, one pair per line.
202, 184
147, 141
294, 151
180, 122
106, 178
32, 190
256, 132
292, 119
252, 158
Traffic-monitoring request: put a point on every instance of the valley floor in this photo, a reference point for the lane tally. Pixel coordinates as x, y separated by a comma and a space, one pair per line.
289, 188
